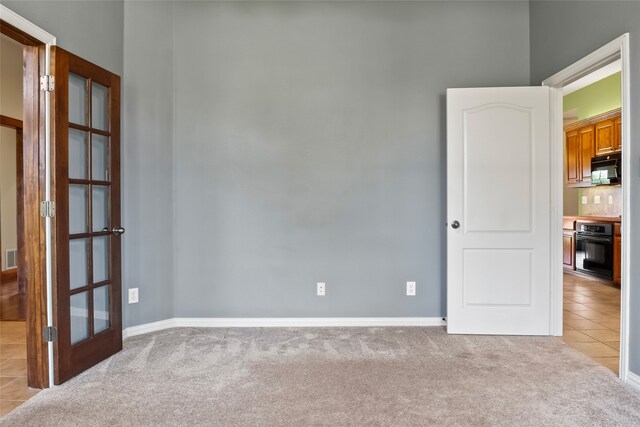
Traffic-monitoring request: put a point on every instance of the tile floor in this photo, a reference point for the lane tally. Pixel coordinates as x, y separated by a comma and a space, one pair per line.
13, 366
592, 318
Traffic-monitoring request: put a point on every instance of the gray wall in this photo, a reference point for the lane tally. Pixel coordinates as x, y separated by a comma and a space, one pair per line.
90, 29
309, 146
147, 156
560, 36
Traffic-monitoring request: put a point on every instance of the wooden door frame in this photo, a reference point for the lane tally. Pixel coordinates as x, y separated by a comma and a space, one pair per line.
32, 258
616, 49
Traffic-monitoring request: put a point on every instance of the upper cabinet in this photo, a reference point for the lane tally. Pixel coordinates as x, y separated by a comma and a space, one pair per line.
580, 151
600, 135
618, 133
606, 137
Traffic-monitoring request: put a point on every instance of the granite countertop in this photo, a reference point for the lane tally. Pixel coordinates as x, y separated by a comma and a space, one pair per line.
594, 218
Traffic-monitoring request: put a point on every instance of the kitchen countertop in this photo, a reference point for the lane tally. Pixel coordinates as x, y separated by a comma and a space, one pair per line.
594, 218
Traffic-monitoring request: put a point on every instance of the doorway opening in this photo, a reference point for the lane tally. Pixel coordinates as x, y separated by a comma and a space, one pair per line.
24, 352
13, 286
590, 289
592, 216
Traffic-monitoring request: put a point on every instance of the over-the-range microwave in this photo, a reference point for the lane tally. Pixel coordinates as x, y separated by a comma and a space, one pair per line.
606, 170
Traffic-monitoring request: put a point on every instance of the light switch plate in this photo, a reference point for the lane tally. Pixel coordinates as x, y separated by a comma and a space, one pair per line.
610, 200
596, 200
585, 200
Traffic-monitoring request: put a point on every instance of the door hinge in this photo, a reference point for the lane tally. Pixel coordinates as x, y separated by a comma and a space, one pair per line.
47, 83
49, 334
47, 209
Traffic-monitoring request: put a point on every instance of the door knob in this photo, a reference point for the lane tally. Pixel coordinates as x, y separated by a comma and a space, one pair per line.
118, 231
455, 224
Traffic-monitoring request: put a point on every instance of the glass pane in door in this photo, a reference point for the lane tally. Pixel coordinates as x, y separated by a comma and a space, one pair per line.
78, 267
100, 208
99, 107
78, 208
78, 141
101, 309
77, 99
99, 157
100, 259
79, 317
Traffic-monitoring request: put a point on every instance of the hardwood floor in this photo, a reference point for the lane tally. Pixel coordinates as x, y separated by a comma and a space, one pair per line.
592, 318
13, 305
13, 366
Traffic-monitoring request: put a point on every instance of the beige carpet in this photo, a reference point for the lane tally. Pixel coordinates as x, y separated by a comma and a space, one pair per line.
337, 376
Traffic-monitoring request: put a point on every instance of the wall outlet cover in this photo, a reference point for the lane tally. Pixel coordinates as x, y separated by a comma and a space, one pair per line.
596, 200
133, 296
610, 200
411, 289
321, 289
585, 200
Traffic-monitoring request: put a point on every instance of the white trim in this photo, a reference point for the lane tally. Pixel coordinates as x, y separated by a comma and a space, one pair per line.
556, 211
611, 52
286, 322
12, 18
633, 380
605, 55
625, 82
596, 76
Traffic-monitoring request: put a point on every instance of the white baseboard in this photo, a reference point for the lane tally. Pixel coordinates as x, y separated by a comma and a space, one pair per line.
272, 322
633, 380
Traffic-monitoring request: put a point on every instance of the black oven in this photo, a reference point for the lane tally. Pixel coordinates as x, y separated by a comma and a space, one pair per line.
594, 249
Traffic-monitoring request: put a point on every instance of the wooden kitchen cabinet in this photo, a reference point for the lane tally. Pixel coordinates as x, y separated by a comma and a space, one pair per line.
587, 151
573, 161
599, 135
580, 151
605, 137
569, 244
617, 140
568, 249
617, 255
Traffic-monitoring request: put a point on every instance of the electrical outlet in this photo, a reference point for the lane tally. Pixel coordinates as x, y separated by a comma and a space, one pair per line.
321, 289
133, 295
610, 200
596, 200
411, 289
585, 200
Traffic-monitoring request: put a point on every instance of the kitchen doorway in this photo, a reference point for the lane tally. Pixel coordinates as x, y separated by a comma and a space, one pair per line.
591, 283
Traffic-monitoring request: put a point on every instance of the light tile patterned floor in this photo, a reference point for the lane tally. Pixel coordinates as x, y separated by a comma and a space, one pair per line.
592, 318
13, 366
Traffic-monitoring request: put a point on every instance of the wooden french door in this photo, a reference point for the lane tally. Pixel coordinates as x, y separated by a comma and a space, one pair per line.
86, 140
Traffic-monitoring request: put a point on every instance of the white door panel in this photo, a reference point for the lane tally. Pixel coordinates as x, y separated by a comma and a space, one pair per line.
498, 190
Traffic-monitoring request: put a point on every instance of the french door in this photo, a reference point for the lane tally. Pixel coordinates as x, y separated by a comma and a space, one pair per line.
86, 158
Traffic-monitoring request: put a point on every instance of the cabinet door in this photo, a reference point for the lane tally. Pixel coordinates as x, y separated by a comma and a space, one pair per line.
568, 249
573, 162
617, 134
587, 152
617, 252
605, 137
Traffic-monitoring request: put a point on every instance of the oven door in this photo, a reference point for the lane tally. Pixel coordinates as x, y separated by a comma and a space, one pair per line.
594, 255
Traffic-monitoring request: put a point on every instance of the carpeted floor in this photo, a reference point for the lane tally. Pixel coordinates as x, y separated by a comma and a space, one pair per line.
337, 376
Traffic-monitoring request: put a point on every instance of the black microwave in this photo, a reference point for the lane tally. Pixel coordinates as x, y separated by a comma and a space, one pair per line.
606, 170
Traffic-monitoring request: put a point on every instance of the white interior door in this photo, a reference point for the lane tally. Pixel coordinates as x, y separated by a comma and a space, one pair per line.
498, 211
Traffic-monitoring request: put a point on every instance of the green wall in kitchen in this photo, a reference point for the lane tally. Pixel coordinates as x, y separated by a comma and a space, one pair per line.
599, 97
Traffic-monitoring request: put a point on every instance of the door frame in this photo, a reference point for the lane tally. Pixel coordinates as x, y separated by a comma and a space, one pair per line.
612, 51
36, 256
